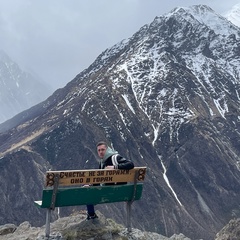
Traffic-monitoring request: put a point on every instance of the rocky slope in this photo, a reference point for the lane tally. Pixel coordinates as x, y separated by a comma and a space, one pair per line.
164, 100
75, 227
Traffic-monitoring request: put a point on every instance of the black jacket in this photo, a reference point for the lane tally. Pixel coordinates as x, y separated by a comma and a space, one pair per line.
118, 162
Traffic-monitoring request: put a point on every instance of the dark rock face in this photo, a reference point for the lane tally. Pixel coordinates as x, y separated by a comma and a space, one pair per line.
164, 100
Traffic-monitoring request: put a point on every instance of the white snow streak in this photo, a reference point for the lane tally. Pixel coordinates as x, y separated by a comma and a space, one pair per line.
156, 130
221, 110
168, 183
128, 103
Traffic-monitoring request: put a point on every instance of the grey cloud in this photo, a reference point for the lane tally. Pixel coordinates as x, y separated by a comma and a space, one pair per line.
57, 39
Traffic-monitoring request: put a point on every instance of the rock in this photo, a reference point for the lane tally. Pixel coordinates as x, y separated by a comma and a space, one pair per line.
76, 227
230, 232
179, 237
7, 228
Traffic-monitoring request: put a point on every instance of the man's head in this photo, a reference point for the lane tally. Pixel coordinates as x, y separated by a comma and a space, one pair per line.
101, 149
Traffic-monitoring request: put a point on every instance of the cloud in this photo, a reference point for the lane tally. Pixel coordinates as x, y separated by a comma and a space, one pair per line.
57, 39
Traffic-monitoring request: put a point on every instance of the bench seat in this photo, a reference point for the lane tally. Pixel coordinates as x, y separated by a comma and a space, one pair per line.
73, 196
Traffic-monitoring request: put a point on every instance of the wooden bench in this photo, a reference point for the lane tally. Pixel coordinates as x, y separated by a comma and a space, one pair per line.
66, 188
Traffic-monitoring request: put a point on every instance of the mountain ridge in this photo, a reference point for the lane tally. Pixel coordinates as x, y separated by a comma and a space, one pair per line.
166, 101
233, 15
19, 89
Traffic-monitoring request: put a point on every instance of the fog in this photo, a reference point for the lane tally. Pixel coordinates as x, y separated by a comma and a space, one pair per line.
55, 40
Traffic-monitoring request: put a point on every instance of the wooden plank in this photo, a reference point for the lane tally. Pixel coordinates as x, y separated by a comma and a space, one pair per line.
90, 195
95, 176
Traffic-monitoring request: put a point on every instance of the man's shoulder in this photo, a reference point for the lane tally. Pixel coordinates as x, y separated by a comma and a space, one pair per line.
116, 156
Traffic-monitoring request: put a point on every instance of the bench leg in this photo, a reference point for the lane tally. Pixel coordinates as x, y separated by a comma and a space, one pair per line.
129, 212
48, 218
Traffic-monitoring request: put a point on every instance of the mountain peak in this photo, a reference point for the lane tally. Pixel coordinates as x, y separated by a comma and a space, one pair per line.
234, 15
205, 15
194, 10
19, 90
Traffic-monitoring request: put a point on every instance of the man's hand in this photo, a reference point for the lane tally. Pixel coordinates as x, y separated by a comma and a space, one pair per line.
109, 167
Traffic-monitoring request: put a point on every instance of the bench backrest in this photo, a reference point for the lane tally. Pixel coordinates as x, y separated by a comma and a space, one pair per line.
94, 176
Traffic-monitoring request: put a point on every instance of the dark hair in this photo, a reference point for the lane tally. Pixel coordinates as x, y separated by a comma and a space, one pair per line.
102, 143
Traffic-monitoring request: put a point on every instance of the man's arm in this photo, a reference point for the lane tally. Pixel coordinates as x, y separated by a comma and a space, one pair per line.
123, 163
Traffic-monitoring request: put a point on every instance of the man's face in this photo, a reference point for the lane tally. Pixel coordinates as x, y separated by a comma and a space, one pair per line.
101, 149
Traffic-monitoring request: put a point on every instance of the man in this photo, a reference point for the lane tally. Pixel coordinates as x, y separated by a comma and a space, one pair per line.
108, 159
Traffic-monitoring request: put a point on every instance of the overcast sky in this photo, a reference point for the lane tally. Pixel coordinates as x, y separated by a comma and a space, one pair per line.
57, 39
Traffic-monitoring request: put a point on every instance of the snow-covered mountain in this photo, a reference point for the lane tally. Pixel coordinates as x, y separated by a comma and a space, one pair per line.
234, 15
168, 98
19, 90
